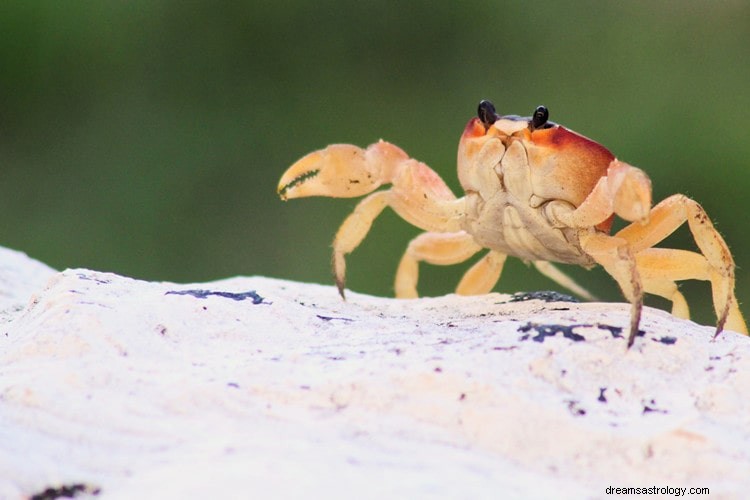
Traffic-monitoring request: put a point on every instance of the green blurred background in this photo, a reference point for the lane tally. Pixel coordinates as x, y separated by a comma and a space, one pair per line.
147, 137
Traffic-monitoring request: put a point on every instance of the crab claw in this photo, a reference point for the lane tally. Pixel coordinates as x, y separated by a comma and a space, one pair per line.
631, 190
341, 171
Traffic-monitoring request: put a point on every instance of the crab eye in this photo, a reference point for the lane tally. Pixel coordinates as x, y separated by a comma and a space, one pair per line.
486, 112
540, 117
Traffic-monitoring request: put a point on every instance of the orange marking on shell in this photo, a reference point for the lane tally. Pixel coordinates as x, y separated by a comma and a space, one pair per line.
562, 138
474, 128
565, 165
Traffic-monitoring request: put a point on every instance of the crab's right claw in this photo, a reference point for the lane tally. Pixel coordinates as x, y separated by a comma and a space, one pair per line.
341, 171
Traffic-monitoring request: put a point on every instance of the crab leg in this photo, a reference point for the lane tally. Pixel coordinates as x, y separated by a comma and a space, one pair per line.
482, 277
417, 194
665, 218
353, 230
562, 279
661, 267
616, 257
435, 248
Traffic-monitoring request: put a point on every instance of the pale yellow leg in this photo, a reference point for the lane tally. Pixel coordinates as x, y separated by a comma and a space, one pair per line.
668, 289
614, 255
482, 277
562, 279
434, 248
353, 231
660, 268
664, 219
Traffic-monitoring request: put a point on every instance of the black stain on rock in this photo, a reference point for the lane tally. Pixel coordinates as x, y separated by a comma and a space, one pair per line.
333, 318
666, 340
202, 294
544, 295
650, 407
98, 281
544, 331
575, 409
505, 348
65, 491
602, 398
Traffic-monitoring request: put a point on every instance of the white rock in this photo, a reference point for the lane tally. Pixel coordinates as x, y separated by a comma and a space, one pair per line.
158, 390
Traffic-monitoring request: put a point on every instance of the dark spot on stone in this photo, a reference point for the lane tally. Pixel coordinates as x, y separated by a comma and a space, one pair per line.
650, 407
462, 397
666, 340
202, 294
65, 491
332, 318
233, 384
98, 281
505, 348
574, 409
544, 295
438, 369
544, 331
616, 331
602, 398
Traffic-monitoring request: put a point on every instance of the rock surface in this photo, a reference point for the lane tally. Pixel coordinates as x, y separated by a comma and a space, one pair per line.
261, 388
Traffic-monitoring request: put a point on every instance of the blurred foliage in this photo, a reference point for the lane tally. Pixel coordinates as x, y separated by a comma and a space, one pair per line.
147, 137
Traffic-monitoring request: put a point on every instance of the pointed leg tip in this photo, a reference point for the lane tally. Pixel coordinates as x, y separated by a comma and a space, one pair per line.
720, 325
719, 329
340, 287
631, 340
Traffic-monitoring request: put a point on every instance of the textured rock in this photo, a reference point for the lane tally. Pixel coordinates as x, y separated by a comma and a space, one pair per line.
255, 387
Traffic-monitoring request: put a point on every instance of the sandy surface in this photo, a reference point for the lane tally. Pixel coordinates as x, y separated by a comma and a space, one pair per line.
262, 388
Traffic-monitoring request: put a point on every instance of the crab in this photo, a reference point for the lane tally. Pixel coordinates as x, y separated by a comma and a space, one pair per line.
534, 190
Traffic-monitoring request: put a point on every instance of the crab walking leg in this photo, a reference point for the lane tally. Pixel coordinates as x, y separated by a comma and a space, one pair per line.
562, 279
665, 218
661, 267
353, 230
417, 194
614, 255
664, 287
482, 277
441, 249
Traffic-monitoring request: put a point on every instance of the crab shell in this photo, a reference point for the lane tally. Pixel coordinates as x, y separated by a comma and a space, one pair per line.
511, 173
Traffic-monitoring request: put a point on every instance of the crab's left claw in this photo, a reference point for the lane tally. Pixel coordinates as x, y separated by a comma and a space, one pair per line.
341, 171
630, 190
